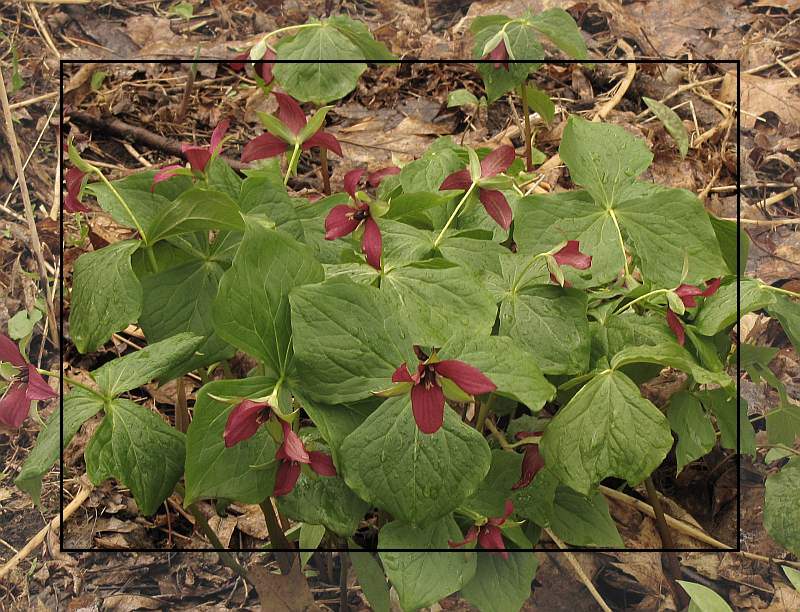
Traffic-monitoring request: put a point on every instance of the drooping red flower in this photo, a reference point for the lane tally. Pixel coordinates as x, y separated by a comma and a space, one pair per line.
499, 54
489, 535
687, 294
493, 200
427, 395
26, 386
244, 420
570, 255
347, 218
239, 61
293, 117
72, 202
532, 461
291, 453
374, 178
197, 156
263, 66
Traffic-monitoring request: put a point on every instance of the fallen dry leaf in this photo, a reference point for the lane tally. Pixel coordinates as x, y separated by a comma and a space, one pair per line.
279, 593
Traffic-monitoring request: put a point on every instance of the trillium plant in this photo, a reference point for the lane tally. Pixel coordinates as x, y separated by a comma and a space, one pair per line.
438, 358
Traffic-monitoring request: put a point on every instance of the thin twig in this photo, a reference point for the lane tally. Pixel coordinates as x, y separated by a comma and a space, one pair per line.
579, 570
37, 99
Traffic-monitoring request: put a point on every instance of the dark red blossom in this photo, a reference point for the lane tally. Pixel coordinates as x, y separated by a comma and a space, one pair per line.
427, 395
532, 461
293, 117
26, 386
687, 294
570, 255
74, 178
291, 454
499, 55
489, 535
244, 420
493, 200
263, 66
197, 156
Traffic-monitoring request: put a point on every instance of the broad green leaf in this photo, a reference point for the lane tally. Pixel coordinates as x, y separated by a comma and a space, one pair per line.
590, 438
673, 355
370, 577
793, 575
410, 207
539, 101
323, 500
584, 520
718, 311
222, 178
137, 368
461, 97
403, 244
703, 598
559, 26
216, 472
490, 498
517, 272
21, 324
696, 435
423, 578
523, 44
672, 123
416, 477
141, 451
197, 210
106, 295
482, 256
348, 340
483, 21
622, 331
728, 233
603, 158
728, 411
781, 507
536, 501
310, 67
79, 406
428, 173
788, 313
501, 585
551, 323
251, 310
361, 37
141, 206
683, 230
310, 538
99, 454
510, 367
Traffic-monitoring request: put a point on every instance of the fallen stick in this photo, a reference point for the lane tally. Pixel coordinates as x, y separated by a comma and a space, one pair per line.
579, 570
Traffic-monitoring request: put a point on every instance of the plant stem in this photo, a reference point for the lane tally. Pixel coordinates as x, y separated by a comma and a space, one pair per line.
523, 93
621, 242
629, 305
292, 162
673, 564
453, 216
70, 381
113, 190
343, 562
226, 557
483, 412
793, 294
299, 26
501, 439
151, 258
277, 538
182, 419
323, 164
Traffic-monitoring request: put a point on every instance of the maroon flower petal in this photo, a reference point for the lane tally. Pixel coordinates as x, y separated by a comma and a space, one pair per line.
218, 134
266, 65
687, 293
676, 326
427, 404
571, 256
291, 448
507, 510
74, 178
286, 478
324, 140
490, 537
402, 374
457, 180
322, 463
290, 113
239, 61
38, 389
497, 206
14, 405
340, 222
469, 378
196, 156
375, 178
711, 287
532, 462
497, 161
372, 243
262, 147
166, 173
472, 535
500, 55
9, 352
351, 180
243, 422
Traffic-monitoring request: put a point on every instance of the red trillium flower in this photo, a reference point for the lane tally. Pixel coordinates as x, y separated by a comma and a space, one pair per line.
347, 218
532, 461
489, 535
74, 178
499, 54
244, 421
28, 385
197, 156
570, 255
493, 200
293, 117
687, 294
291, 454
264, 65
427, 395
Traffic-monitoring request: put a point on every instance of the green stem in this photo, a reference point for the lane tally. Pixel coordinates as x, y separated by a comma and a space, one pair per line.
793, 294
277, 538
497, 434
292, 162
453, 216
113, 190
151, 258
483, 412
70, 381
300, 26
528, 135
621, 242
640, 298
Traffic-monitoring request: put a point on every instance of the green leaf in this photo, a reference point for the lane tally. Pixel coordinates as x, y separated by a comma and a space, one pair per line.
214, 471
403, 244
793, 575
718, 311
461, 97
590, 438
79, 406
673, 355
197, 210
551, 323
696, 435
310, 538
106, 295
522, 44
490, 498
501, 585
142, 452
99, 454
348, 340
21, 324
728, 233
276, 127
788, 313
143, 206
361, 37
623, 331
728, 410
559, 26
310, 66
536, 501
672, 123
703, 598
510, 367
482, 256
603, 158
416, 477
423, 578
261, 195
370, 577
781, 507
251, 310
583, 520
222, 178
539, 101
137, 368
